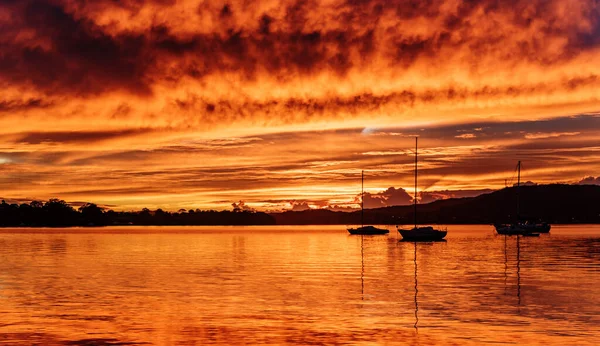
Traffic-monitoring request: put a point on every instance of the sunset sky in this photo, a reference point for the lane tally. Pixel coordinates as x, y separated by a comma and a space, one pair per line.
281, 104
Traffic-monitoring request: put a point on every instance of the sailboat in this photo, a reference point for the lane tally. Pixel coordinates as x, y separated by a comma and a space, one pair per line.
423, 233
530, 229
365, 230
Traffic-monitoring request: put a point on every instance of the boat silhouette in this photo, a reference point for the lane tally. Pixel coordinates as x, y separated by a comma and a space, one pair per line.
365, 230
423, 233
529, 229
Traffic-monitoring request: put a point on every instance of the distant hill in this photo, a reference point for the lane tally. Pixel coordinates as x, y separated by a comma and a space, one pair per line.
58, 213
552, 203
556, 203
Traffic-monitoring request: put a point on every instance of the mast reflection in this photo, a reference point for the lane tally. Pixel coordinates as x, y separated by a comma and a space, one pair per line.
416, 293
362, 268
518, 267
519, 271
505, 262
415, 245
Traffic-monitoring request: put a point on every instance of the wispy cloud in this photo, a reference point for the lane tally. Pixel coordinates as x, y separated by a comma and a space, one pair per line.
540, 135
466, 136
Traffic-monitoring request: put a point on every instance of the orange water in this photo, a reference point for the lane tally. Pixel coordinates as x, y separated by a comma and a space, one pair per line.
297, 285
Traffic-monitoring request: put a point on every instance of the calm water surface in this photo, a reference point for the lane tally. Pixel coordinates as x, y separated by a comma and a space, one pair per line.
297, 285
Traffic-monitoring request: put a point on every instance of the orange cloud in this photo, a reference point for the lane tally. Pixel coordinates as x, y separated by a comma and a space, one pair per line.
191, 103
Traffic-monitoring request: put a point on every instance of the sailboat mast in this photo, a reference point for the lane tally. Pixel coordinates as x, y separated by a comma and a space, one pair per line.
415, 199
518, 186
362, 199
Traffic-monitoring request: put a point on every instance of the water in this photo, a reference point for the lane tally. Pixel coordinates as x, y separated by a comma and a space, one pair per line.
296, 285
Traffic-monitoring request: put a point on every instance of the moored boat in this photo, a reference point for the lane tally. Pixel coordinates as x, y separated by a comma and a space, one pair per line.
510, 229
521, 228
423, 233
426, 233
368, 230
365, 230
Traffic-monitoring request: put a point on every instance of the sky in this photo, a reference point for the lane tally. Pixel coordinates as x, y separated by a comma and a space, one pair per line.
277, 105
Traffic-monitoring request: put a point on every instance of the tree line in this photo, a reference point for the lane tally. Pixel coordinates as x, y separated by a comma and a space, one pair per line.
58, 213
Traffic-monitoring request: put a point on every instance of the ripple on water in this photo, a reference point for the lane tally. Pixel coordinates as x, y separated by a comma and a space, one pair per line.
298, 285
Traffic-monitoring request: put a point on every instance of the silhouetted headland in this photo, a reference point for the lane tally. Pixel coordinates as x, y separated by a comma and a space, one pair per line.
58, 213
557, 204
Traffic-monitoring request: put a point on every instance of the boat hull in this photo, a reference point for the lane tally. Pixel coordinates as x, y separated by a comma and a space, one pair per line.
537, 227
522, 229
422, 234
368, 230
509, 230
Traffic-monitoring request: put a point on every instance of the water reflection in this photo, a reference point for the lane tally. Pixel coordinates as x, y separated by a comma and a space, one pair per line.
416, 281
505, 262
416, 292
517, 266
362, 267
298, 286
519, 271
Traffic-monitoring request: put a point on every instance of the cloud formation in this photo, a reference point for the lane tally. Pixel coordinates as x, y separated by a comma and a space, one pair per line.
241, 206
299, 205
589, 181
390, 197
225, 63
184, 103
